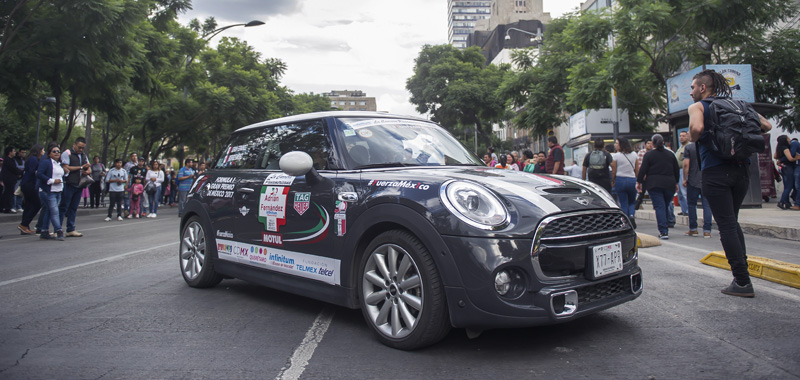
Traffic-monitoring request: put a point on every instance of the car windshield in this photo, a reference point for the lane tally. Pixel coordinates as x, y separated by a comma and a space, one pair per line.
386, 142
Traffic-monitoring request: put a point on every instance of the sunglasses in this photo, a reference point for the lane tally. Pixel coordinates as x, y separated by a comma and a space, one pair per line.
55, 151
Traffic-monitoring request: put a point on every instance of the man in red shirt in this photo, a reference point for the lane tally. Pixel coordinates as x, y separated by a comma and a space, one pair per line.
555, 160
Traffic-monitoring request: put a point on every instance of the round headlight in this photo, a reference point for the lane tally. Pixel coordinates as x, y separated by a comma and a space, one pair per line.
474, 204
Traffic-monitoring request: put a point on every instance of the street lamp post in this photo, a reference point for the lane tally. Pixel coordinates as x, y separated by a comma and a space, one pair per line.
535, 37
208, 36
48, 99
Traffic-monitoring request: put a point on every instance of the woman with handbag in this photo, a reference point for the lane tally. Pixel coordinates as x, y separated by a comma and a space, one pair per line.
50, 181
29, 192
154, 178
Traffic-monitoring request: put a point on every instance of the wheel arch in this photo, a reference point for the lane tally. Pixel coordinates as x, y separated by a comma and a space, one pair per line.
386, 217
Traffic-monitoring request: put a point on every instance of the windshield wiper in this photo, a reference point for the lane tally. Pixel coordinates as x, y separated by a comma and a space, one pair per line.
386, 165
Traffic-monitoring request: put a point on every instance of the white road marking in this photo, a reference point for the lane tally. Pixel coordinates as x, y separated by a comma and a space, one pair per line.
302, 354
111, 258
110, 225
723, 275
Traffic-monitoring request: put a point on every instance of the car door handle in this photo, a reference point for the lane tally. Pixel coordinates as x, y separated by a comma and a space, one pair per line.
245, 190
348, 196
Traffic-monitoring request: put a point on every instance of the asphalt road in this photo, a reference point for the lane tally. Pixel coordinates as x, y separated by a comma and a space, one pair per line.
113, 305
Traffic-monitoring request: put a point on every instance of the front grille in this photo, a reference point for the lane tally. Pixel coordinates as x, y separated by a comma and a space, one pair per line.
580, 224
592, 293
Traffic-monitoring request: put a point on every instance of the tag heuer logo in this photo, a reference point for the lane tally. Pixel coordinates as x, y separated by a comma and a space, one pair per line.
581, 201
301, 202
244, 210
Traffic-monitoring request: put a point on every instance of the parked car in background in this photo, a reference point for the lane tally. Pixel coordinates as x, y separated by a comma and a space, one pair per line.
392, 215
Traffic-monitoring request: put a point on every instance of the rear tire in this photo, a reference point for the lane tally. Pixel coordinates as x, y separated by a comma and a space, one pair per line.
400, 292
196, 255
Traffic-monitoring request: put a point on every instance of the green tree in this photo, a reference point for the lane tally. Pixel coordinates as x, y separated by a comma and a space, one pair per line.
457, 88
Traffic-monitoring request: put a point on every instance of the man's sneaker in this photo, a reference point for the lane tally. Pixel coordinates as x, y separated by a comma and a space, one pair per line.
119, 218
24, 230
663, 236
706, 235
735, 289
129, 216
795, 207
74, 234
45, 236
153, 215
107, 219
60, 235
692, 233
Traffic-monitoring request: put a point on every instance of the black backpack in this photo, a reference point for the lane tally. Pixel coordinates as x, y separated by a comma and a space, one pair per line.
735, 130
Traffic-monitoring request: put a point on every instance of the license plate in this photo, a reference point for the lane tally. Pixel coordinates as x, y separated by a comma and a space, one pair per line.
607, 259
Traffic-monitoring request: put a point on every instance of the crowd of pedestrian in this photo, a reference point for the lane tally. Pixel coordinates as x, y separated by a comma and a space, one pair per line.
52, 181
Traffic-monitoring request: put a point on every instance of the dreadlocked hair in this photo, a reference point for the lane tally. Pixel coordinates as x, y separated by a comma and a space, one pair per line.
719, 85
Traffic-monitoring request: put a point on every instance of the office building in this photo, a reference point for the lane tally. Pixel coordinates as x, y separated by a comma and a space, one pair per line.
355, 100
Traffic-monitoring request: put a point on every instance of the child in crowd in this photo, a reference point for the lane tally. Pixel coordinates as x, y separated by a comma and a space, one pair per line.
136, 189
85, 196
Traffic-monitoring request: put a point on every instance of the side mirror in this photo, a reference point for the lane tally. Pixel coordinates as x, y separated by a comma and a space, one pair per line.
296, 163
300, 163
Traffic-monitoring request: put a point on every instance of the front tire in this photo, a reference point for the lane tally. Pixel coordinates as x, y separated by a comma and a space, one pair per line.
196, 259
401, 294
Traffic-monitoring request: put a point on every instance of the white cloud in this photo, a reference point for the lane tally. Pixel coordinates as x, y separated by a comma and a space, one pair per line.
367, 45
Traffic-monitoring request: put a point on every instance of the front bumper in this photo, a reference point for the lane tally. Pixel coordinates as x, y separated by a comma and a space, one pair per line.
542, 300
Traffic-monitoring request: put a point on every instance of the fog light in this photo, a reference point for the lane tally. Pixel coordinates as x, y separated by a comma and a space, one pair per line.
502, 283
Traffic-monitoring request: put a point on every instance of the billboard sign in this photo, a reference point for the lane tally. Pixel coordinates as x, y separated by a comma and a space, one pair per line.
740, 78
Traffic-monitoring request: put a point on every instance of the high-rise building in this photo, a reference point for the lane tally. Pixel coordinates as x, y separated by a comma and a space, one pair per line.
464, 17
461, 19
355, 100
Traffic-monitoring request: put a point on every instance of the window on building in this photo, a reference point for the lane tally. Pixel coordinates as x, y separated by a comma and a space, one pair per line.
362, 103
341, 102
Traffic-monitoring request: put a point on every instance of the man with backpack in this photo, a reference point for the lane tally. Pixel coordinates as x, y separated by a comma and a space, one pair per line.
597, 163
727, 132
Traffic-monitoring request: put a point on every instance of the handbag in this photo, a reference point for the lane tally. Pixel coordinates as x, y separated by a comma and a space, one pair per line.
150, 188
18, 191
86, 180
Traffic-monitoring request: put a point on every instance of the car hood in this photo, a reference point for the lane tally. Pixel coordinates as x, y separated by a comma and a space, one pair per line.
549, 193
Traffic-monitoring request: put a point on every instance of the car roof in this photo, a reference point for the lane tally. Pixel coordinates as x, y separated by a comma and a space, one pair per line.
322, 115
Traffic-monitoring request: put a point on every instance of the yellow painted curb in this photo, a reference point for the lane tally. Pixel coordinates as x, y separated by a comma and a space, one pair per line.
761, 267
646, 241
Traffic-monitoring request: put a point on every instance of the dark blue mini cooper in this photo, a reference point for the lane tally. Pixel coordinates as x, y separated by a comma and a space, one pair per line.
392, 215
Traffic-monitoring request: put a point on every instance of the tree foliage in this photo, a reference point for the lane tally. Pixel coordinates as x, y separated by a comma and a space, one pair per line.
576, 68
154, 85
457, 88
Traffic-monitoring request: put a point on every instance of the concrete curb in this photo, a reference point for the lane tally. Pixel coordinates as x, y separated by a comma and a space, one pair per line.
761, 267
780, 232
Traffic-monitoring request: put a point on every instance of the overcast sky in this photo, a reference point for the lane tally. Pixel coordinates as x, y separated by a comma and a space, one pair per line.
367, 45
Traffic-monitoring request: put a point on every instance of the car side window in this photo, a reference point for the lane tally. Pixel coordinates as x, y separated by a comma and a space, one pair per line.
262, 148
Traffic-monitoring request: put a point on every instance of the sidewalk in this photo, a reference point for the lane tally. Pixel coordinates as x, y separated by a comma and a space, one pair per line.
768, 221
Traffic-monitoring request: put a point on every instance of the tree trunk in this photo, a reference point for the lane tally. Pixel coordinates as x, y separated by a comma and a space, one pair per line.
105, 140
127, 145
73, 108
88, 131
